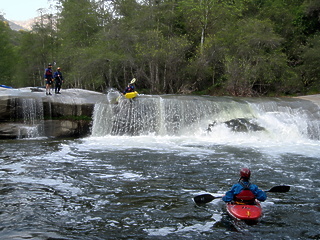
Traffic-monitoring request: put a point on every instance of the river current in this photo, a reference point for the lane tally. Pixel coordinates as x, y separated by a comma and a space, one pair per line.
135, 176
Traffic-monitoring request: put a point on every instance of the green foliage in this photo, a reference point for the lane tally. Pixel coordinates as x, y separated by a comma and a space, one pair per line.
161, 60
7, 53
36, 49
245, 47
70, 118
254, 61
310, 70
78, 23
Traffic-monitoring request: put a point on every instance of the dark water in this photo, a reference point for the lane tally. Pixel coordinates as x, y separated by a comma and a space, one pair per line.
115, 186
142, 188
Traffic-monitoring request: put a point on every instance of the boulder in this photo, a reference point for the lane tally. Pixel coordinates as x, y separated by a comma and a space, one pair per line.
239, 125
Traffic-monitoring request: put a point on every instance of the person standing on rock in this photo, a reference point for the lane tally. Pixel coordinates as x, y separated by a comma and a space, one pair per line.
48, 76
58, 80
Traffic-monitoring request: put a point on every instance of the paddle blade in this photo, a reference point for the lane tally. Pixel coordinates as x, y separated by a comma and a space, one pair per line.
280, 189
204, 198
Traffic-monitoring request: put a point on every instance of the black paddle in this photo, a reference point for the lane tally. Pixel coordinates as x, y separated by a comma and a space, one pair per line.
205, 198
282, 189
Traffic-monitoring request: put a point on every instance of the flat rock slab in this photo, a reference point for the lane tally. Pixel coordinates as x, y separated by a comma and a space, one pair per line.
58, 115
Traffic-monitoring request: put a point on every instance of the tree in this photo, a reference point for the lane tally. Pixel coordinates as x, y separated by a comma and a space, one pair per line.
310, 70
199, 17
253, 59
162, 61
245, 47
78, 23
78, 26
36, 49
7, 53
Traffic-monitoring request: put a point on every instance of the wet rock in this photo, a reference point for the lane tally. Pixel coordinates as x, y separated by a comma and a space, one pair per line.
67, 128
28, 113
9, 131
239, 125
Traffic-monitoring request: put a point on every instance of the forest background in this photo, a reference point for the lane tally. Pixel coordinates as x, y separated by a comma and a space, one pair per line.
214, 47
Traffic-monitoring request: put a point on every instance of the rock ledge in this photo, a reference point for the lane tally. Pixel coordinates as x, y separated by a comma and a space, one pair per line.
27, 113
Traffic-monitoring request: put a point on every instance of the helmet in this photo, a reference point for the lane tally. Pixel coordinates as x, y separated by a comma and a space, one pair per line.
245, 173
49, 64
58, 68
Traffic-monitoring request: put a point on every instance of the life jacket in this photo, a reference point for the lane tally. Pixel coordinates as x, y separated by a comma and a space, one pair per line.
49, 73
129, 89
245, 196
58, 78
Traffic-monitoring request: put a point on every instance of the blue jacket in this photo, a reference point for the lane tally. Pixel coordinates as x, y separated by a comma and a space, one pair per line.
58, 75
237, 188
128, 89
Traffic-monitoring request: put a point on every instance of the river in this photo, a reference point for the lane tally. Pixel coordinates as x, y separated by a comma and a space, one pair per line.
135, 176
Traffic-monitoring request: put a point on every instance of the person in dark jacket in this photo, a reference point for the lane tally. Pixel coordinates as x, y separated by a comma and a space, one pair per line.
129, 88
58, 80
244, 191
48, 77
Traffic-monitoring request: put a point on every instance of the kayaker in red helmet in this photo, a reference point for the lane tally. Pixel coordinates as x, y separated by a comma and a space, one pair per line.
244, 191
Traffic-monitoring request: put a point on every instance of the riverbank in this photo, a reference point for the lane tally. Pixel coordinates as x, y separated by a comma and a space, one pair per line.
313, 98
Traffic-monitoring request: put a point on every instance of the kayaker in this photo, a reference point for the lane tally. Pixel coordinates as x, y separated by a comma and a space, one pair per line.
129, 88
244, 191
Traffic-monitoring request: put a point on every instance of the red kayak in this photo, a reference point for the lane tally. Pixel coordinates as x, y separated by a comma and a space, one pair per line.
248, 213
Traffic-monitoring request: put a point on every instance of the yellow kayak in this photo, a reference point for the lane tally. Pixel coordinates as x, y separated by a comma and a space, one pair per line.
131, 94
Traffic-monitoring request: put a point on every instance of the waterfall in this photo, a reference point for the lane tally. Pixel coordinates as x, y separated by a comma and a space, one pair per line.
172, 115
31, 114
289, 118
149, 115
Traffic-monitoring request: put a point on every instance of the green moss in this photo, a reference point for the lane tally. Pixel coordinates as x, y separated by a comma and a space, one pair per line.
71, 118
